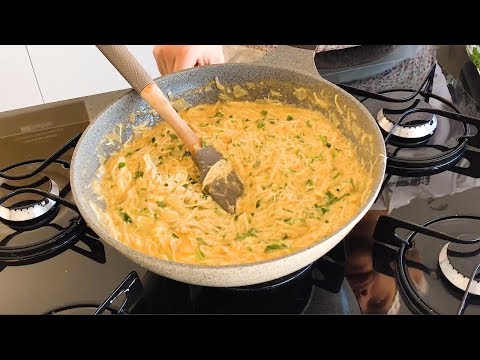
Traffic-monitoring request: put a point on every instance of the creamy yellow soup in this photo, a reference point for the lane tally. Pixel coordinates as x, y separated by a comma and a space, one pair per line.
302, 178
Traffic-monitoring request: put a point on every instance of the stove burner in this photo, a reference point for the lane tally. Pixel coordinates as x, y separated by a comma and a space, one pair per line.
408, 121
457, 266
413, 132
26, 210
46, 247
436, 263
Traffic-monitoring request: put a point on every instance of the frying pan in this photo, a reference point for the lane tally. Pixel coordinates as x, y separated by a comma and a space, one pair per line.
285, 70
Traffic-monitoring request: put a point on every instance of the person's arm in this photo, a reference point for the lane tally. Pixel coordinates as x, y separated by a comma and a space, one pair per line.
171, 58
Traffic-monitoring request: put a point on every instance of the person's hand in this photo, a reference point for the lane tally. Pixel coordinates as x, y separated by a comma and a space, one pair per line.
171, 58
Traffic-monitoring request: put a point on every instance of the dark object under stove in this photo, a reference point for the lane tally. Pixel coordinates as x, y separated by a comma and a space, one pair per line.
315, 289
411, 116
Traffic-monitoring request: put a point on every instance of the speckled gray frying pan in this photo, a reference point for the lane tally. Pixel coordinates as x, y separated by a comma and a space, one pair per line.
284, 70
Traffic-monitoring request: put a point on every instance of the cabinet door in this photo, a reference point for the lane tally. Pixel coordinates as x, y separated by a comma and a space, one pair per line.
18, 86
72, 71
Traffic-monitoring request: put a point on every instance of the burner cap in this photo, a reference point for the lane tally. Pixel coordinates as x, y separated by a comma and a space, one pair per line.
457, 262
25, 210
416, 128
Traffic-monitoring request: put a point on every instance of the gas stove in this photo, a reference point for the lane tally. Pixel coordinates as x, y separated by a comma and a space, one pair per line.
418, 258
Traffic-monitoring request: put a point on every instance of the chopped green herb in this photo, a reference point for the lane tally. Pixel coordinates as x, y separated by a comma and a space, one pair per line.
251, 232
309, 123
128, 154
331, 199
314, 158
204, 143
200, 254
260, 124
264, 112
289, 118
187, 153
219, 114
274, 247
201, 241
231, 116
125, 217
325, 141
175, 235
153, 140
185, 186
217, 122
161, 204
138, 174
271, 121
336, 176
299, 138
321, 208
257, 204
173, 136
180, 147
309, 182
285, 237
121, 165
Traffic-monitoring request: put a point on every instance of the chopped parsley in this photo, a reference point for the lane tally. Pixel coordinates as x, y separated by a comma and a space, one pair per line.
125, 217
219, 114
204, 143
309, 182
274, 247
260, 124
258, 203
264, 112
138, 174
121, 165
325, 141
251, 232
173, 136
175, 235
289, 118
309, 123
153, 140
161, 204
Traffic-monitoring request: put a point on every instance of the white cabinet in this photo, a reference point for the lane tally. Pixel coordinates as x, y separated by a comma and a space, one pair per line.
18, 86
72, 71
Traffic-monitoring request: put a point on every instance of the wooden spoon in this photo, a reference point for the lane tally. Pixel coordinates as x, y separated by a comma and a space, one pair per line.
224, 190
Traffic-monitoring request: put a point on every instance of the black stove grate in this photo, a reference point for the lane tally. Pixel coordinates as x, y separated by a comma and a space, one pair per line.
392, 247
448, 158
66, 235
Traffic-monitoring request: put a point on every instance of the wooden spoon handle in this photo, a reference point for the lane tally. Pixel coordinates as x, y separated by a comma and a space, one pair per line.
143, 84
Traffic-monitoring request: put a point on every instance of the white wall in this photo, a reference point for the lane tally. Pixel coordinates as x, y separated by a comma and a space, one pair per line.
71, 71
18, 86
33, 74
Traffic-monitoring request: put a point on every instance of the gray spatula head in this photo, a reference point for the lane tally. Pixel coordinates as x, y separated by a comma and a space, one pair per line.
225, 191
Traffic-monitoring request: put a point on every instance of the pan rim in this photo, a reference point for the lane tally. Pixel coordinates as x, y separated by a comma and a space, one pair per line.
107, 237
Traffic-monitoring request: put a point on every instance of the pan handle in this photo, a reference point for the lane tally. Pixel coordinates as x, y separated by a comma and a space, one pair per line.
293, 58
